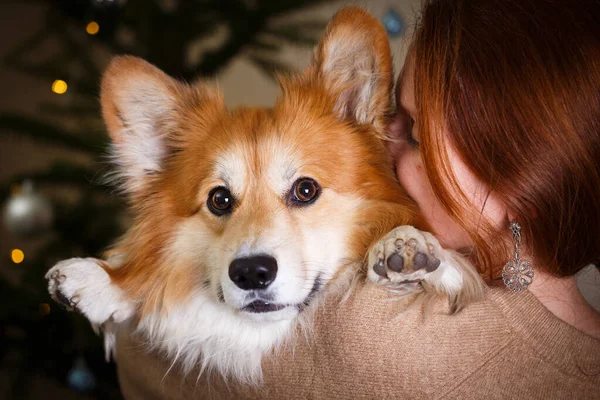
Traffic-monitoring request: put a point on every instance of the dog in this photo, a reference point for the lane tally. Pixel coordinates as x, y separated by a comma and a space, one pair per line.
246, 219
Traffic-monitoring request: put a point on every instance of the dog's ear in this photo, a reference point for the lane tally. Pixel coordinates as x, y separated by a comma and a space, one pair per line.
354, 61
138, 106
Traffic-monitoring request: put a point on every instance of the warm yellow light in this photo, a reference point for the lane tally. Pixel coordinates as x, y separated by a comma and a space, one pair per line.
59, 86
92, 28
44, 308
17, 256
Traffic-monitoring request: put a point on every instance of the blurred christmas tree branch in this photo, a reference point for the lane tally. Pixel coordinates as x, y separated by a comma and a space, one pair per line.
60, 173
46, 132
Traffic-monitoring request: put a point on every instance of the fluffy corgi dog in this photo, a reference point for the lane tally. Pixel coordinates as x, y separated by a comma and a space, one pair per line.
245, 219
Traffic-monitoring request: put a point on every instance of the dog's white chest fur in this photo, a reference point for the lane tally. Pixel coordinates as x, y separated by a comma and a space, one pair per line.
211, 336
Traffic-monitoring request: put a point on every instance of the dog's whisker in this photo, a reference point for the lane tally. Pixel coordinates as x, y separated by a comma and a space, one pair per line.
175, 359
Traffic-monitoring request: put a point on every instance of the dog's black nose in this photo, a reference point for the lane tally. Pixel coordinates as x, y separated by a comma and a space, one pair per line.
253, 272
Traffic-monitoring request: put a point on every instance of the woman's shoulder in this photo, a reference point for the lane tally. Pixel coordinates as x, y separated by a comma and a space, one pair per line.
386, 325
374, 345
388, 346
381, 345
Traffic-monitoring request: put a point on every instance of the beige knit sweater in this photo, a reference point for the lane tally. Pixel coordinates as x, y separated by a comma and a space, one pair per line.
506, 347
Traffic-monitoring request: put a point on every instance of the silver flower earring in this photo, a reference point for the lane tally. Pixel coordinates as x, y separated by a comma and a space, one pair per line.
517, 273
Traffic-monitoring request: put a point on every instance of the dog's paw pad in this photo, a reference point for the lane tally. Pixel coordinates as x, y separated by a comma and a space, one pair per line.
379, 268
395, 262
403, 258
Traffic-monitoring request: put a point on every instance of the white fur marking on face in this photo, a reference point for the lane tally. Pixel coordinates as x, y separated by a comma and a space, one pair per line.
282, 164
232, 168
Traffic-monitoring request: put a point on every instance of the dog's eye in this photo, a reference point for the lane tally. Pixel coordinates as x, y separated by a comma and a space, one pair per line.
220, 201
305, 191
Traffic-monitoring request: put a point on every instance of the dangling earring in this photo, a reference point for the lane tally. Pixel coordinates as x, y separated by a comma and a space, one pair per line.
517, 273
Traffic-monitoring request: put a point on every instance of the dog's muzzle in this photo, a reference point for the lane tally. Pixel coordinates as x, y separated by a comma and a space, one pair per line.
263, 304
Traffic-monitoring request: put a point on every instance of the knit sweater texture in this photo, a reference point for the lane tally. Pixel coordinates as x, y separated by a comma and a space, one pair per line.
508, 346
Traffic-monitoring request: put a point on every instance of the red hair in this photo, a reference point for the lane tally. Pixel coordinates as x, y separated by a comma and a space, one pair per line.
515, 87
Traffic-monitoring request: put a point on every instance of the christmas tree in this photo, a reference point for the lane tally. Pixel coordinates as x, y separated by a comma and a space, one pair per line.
37, 339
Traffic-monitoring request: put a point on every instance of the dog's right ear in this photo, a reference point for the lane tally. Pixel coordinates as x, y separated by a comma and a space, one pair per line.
138, 106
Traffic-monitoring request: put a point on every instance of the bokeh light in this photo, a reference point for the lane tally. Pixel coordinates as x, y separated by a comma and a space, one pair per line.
92, 28
59, 86
44, 308
17, 256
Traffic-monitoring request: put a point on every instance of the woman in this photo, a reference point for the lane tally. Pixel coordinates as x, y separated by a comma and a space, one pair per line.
498, 121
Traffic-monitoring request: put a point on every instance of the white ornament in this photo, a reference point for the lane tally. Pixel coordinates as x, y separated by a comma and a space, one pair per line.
28, 213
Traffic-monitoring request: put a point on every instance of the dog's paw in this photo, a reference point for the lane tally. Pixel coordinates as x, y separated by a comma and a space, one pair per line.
407, 260
82, 285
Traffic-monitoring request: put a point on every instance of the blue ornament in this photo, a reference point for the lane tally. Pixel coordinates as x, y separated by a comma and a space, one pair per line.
393, 23
80, 378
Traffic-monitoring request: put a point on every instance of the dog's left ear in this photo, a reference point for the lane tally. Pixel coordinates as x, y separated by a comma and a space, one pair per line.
354, 61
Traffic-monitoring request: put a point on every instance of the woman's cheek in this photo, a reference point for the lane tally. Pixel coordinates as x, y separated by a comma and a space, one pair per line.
413, 177
411, 174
